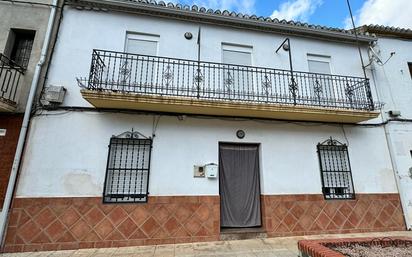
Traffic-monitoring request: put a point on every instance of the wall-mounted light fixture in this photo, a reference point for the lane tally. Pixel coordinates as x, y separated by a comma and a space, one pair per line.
188, 35
293, 86
285, 47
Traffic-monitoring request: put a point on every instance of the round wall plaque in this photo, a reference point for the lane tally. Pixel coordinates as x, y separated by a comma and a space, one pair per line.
240, 134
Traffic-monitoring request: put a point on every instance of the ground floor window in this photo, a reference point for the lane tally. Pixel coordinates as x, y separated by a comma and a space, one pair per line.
128, 166
335, 170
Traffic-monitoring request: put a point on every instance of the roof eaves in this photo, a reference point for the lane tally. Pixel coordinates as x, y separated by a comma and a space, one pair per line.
381, 30
225, 18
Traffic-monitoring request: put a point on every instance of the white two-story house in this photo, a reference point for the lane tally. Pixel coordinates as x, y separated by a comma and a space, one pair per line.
180, 124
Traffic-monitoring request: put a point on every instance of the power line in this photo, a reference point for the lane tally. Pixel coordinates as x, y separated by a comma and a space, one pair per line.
68, 109
356, 36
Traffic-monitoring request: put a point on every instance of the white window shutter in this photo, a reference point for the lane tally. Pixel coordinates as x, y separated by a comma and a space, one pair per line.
142, 44
319, 64
238, 58
135, 46
319, 67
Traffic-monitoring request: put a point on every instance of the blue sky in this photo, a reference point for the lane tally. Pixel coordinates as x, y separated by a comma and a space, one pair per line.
329, 12
333, 13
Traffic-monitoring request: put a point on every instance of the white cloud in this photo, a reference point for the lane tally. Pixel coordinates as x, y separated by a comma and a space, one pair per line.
243, 6
296, 10
397, 13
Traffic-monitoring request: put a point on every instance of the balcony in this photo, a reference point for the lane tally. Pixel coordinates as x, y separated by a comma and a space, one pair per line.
10, 74
161, 84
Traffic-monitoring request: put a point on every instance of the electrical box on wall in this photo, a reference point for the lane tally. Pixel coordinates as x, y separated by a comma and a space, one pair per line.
53, 95
211, 170
198, 171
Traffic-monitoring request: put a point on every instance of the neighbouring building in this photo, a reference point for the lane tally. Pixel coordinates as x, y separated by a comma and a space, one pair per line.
391, 64
22, 31
180, 123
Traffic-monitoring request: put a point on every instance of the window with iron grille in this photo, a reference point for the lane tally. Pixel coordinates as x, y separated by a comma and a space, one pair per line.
335, 170
20, 45
128, 167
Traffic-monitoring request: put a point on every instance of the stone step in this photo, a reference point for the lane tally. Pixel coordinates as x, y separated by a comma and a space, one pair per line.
227, 234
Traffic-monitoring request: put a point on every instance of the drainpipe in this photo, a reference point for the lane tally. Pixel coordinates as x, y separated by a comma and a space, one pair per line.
404, 200
26, 119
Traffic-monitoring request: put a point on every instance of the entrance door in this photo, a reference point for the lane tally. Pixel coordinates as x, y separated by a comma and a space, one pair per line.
239, 185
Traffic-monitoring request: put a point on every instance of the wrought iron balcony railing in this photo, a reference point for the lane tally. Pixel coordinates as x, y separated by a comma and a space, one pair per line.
10, 74
163, 76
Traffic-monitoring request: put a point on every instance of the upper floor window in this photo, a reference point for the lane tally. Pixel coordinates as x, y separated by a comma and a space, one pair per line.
237, 78
239, 55
319, 88
19, 46
319, 64
335, 170
127, 172
144, 44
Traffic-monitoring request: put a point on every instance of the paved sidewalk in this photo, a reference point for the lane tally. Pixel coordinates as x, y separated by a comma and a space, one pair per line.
268, 247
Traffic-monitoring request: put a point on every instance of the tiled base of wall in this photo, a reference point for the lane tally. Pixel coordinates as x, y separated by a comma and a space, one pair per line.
292, 215
72, 223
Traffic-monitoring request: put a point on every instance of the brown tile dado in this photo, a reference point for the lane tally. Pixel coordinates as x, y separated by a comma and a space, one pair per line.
71, 223
287, 215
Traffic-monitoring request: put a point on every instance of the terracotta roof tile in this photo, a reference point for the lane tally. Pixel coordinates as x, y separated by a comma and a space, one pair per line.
227, 13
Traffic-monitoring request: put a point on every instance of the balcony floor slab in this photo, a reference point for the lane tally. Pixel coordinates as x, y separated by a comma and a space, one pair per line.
185, 105
6, 106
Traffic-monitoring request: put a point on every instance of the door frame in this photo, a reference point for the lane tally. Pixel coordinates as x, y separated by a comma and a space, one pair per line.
259, 145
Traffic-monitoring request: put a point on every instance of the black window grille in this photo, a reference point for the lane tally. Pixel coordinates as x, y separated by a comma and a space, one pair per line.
20, 45
335, 170
128, 167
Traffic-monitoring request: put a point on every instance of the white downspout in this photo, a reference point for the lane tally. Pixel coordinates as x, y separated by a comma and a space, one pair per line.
404, 200
25, 124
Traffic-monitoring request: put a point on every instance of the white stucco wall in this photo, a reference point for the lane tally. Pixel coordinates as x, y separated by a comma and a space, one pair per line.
66, 154
393, 79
